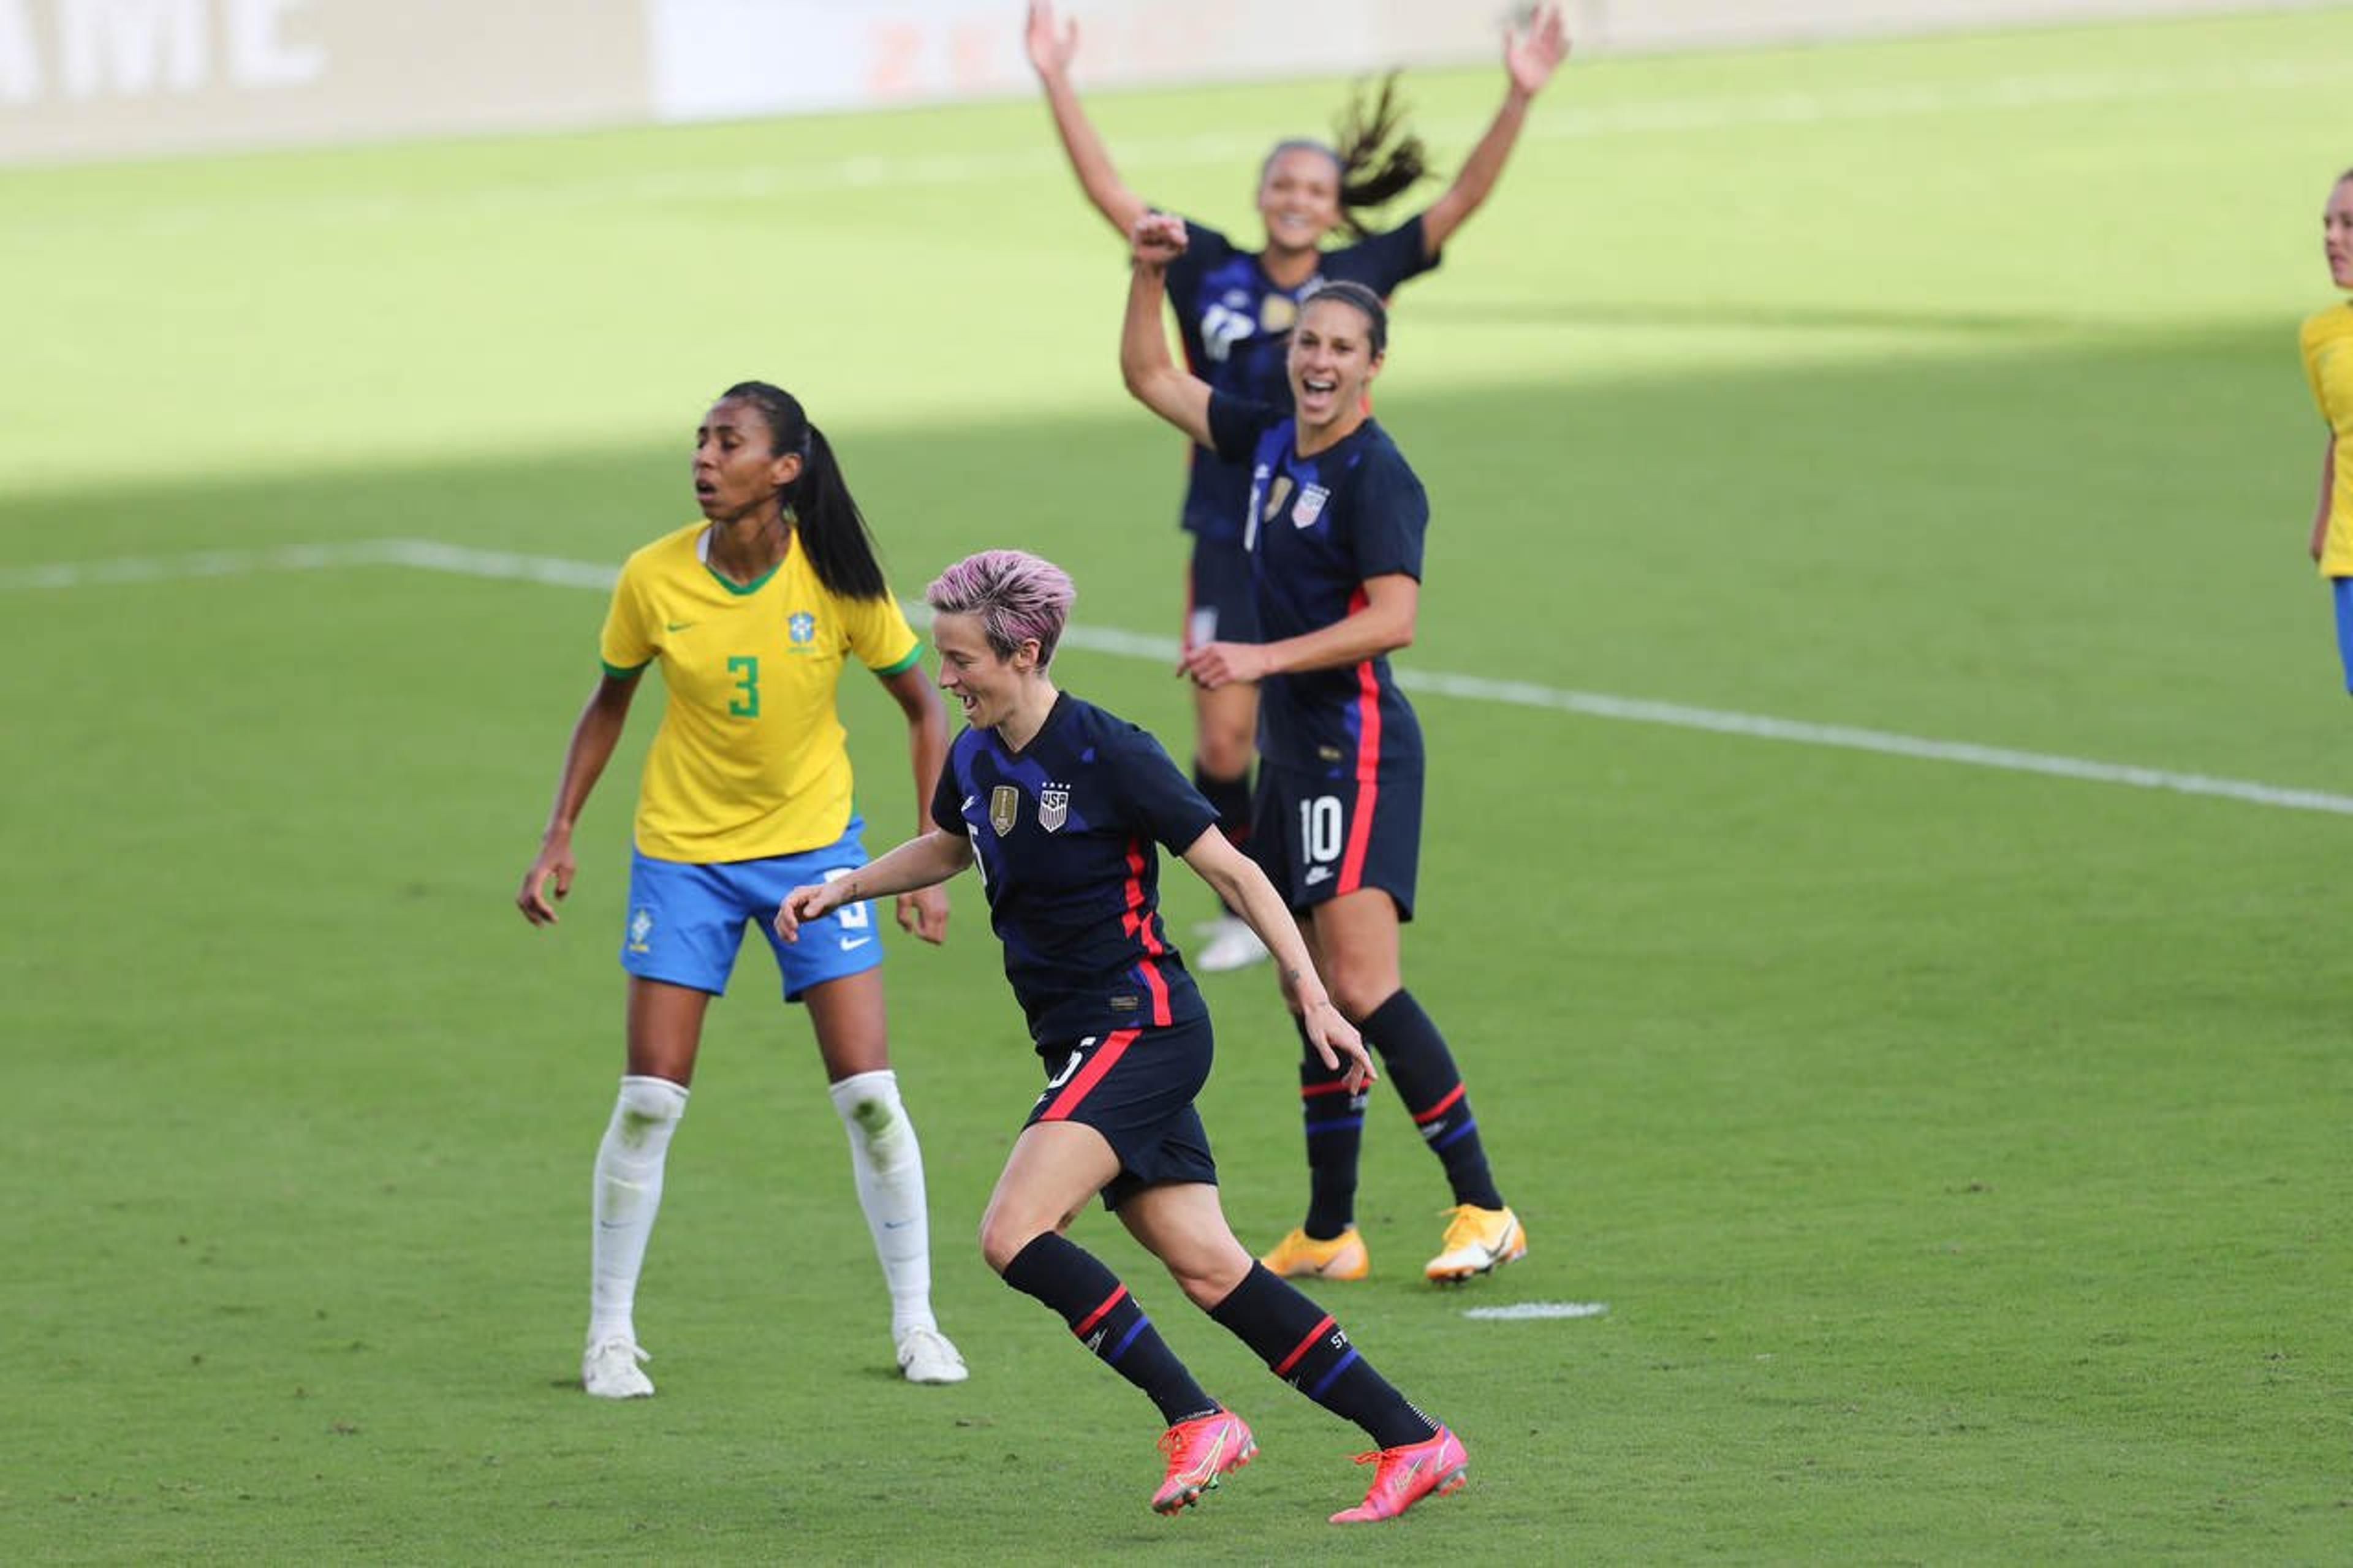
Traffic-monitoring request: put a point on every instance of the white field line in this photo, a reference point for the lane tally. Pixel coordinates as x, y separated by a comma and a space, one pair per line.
1570, 121
505, 565
1519, 1310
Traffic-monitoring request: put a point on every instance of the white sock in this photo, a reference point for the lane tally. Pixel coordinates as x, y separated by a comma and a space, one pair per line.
628, 1196
889, 1166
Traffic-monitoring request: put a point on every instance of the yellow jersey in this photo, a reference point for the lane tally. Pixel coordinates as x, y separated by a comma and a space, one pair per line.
751, 759
2327, 343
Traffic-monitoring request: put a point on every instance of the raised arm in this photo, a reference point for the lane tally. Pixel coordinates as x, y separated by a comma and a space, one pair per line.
1530, 58
923, 910
1051, 51
1154, 377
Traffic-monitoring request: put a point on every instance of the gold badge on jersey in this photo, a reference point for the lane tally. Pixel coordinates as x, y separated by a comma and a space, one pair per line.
1276, 494
1278, 314
1004, 809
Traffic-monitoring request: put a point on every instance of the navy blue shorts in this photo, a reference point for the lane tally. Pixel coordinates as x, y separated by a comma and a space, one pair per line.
686, 920
1317, 838
1218, 602
1137, 1087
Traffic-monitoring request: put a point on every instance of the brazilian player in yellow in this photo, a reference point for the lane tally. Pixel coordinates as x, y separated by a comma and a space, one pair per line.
2327, 343
751, 615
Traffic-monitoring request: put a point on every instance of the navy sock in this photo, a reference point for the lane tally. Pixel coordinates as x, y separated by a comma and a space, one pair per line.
1335, 1133
1230, 799
1073, 1282
1302, 1345
1423, 1070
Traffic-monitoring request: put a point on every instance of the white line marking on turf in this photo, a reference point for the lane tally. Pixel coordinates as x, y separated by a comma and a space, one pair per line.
1522, 1309
430, 556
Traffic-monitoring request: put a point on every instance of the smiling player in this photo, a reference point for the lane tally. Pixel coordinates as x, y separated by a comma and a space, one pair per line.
1335, 519
1234, 310
753, 614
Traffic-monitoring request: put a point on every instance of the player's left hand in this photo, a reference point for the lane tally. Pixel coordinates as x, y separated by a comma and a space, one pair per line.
1215, 664
1533, 53
924, 913
1335, 1037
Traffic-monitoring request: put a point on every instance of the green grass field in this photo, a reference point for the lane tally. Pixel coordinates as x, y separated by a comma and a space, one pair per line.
1960, 1153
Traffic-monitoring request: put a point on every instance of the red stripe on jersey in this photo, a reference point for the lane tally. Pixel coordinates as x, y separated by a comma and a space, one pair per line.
1310, 1090
1287, 1362
1139, 925
1368, 764
1115, 1046
1084, 1325
1435, 1111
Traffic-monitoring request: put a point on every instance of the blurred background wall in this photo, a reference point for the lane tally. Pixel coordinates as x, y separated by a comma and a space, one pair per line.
112, 78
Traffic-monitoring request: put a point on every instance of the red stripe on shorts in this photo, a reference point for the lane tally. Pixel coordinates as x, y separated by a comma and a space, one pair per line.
1115, 1046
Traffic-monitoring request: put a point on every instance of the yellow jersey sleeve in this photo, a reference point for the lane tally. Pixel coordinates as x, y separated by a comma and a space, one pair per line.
627, 644
2326, 342
879, 633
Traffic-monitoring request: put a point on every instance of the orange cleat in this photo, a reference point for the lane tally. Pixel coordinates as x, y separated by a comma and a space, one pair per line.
1200, 1452
1300, 1256
1434, 1467
1477, 1240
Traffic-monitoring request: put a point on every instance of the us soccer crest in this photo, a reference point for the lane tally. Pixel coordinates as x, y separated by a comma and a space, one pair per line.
1004, 809
1053, 805
1310, 507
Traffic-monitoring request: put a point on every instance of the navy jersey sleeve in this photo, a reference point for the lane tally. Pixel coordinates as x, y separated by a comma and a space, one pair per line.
1237, 423
1382, 261
948, 798
1154, 798
1392, 514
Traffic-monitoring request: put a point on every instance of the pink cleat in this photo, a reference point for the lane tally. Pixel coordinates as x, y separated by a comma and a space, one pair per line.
1199, 1452
1436, 1466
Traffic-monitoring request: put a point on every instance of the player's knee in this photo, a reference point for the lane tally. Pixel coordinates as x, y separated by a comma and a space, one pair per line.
1357, 989
648, 1109
1208, 1282
1002, 1238
868, 1105
1224, 752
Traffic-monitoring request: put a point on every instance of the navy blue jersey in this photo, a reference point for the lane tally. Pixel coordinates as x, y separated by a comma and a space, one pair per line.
1235, 322
1319, 527
1063, 830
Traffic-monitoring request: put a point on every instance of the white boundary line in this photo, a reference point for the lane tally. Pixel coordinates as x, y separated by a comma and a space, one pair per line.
430, 556
1519, 1310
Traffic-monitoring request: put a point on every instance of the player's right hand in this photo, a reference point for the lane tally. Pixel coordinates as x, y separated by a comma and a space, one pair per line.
553, 861
809, 902
1158, 239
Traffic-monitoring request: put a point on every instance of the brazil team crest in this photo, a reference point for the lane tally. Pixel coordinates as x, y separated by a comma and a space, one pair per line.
1053, 805
1004, 809
801, 627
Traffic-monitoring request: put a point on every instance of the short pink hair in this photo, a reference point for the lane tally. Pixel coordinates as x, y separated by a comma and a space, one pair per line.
1017, 595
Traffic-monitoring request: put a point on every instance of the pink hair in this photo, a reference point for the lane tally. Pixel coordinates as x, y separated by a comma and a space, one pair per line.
1017, 595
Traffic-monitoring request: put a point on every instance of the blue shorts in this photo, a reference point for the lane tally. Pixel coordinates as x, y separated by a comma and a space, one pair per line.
1220, 604
1135, 1087
686, 920
1318, 837
2341, 589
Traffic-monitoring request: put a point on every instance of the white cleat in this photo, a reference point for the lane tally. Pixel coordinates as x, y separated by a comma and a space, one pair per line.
1229, 945
925, 1356
609, 1369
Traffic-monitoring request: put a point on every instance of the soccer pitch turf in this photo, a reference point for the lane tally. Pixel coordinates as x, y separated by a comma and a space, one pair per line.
1959, 1151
